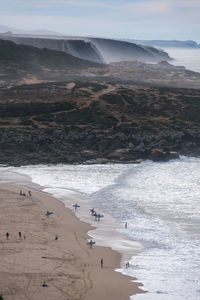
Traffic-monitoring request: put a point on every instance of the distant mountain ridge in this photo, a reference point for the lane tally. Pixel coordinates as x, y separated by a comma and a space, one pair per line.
4, 29
156, 43
167, 43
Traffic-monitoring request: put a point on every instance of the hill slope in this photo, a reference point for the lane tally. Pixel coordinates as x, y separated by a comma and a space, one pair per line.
86, 121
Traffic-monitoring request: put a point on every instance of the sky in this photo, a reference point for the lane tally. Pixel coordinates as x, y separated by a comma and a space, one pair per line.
127, 19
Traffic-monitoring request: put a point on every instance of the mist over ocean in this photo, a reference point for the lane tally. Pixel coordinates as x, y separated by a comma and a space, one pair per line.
189, 58
160, 202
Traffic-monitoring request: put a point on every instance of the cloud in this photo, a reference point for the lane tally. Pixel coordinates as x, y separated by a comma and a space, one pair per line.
147, 7
54, 3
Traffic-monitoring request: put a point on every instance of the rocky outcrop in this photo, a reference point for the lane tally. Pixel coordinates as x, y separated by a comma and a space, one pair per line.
56, 146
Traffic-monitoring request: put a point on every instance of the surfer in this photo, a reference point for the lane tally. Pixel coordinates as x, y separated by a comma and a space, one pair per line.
102, 263
91, 243
45, 284
92, 211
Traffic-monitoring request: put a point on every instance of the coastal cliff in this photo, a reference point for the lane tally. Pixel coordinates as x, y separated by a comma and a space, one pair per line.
94, 49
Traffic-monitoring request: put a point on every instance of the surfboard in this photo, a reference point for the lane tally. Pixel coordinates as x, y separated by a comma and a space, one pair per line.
91, 243
49, 213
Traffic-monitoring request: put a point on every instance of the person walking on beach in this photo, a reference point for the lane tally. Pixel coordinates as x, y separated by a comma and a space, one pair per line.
29, 192
126, 225
127, 264
20, 235
102, 263
7, 235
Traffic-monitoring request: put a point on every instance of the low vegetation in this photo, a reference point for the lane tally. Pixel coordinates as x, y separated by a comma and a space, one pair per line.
54, 122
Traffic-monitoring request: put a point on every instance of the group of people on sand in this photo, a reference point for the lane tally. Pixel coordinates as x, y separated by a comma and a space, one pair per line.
21, 193
97, 217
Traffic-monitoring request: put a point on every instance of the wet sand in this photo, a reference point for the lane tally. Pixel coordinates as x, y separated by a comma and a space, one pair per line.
70, 268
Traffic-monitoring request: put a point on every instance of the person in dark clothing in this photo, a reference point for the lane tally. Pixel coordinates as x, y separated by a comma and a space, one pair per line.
7, 235
20, 235
91, 243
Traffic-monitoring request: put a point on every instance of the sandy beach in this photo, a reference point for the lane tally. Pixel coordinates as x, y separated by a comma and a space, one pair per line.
67, 265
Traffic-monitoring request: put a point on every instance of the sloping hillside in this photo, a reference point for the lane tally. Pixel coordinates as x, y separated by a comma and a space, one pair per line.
87, 121
76, 47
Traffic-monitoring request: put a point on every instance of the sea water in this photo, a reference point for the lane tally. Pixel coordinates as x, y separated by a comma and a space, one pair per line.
160, 203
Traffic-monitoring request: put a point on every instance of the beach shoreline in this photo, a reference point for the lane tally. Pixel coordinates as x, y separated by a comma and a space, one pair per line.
70, 268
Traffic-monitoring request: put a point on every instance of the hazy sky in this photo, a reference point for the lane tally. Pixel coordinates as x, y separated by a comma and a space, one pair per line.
140, 19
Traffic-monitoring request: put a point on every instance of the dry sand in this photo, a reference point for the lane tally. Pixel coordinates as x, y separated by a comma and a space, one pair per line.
70, 268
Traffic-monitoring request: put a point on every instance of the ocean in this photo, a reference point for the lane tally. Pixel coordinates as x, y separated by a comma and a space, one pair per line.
160, 203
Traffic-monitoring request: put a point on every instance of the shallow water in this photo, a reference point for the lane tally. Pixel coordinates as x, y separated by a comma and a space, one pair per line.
161, 204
